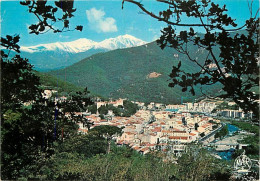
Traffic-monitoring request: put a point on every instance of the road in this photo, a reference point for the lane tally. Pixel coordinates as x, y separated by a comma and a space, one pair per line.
212, 133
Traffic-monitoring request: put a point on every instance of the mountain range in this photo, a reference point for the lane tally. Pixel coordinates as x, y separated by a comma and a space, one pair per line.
62, 54
138, 73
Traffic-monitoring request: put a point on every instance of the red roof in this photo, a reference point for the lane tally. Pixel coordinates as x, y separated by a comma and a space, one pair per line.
178, 137
103, 120
166, 131
136, 148
157, 129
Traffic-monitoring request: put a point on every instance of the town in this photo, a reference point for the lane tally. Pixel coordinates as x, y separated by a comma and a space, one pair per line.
156, 126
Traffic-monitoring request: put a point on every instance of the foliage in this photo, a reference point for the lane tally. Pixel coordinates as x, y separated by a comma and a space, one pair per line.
85, 145
246, 126
253, 175
224, 105
78, 101
92, 109
237, 153
20, 83
10, 43
114, 166
102, 116
34, 129
103, 110
108, 132
47, 15
232, 55
30, 124
127, 110
124, 163
222, 133
198, 164
253, 145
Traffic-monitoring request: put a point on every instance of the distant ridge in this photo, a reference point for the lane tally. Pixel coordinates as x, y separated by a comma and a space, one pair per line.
59, 55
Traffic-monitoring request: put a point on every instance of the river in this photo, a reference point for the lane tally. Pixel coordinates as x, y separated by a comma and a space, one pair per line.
227, 155
232, 129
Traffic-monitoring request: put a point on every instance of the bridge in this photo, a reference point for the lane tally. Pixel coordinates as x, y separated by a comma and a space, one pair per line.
226, 146
228, 143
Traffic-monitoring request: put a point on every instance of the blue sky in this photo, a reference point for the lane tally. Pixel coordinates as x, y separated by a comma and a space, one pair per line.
101, 20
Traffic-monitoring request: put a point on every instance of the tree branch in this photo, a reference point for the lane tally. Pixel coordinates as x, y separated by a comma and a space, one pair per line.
211, 52
162, 19
202, 67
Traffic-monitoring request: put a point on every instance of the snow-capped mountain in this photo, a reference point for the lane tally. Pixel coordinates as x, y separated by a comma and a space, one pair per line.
62, 54
83, 44
77, 46
125, 41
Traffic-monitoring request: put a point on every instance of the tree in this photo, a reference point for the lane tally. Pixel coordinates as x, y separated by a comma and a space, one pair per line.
107, 132
121, 164
92, 109
222, 133
20, 83
196, 163
48, 15
30, 123
129, 108
87, 145
78, 101
232, 52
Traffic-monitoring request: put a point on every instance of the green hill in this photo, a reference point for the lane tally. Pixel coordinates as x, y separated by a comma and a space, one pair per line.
51, 82
125, 73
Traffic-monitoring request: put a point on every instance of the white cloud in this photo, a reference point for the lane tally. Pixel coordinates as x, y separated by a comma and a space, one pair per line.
100, 23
